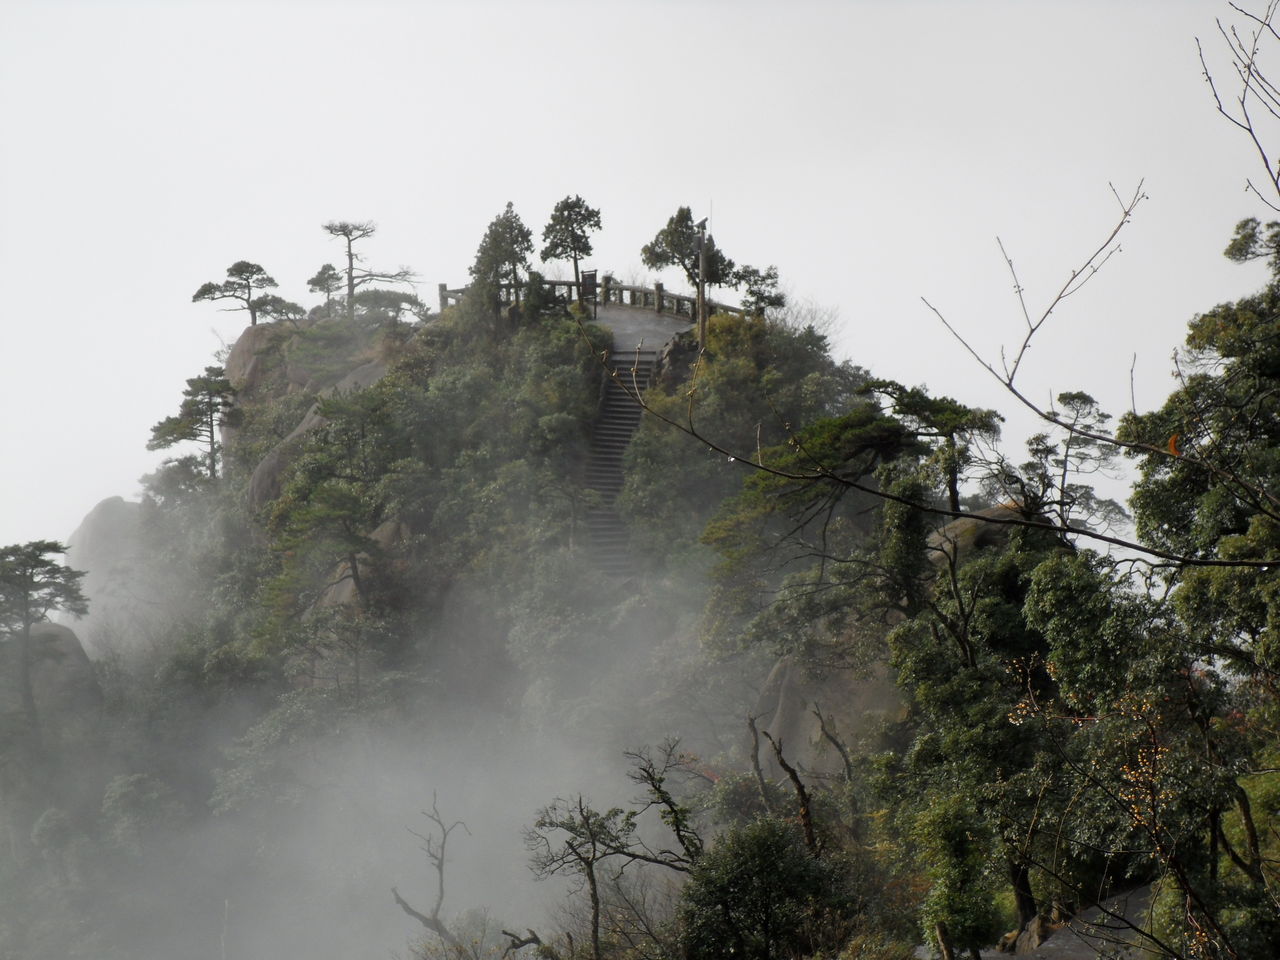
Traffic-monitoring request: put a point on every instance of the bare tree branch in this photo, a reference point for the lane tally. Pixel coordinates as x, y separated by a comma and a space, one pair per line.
435, 850
532, 940
761, 783
802, 795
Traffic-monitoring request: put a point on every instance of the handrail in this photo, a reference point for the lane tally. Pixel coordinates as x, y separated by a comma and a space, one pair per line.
655, 298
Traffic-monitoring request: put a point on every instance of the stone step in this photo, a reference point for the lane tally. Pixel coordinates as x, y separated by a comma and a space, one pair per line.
626, 385
616, 423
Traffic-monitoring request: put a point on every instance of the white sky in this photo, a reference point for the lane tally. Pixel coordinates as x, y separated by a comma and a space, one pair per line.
871, 150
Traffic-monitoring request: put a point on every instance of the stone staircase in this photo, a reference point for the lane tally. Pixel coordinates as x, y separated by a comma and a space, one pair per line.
618, 419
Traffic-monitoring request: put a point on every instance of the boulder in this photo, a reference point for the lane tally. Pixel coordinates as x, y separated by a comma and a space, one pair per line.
318, 363
106, 536
266, 482
1036, 932
124, 592
246, 364
854, 703
363, 376
342, 590
66, 692
958, 539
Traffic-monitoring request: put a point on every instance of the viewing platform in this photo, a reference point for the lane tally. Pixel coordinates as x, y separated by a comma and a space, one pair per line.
656, 299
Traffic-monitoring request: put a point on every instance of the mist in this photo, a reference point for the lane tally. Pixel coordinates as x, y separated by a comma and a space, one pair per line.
493, 573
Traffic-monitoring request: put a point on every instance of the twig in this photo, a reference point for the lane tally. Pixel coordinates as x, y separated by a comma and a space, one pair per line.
532, 940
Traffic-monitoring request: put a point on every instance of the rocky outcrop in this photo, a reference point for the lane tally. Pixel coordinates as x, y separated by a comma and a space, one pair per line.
265, 483
45, 758
959, 538
125, 594
66, 693
854, 703
342, 589
249, 360
363, 376
108, 535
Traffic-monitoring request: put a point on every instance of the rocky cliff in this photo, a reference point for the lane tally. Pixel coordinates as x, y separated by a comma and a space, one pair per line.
125, 601
68, 700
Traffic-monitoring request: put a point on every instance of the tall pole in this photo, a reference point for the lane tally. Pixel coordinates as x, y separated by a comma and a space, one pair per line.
702, 284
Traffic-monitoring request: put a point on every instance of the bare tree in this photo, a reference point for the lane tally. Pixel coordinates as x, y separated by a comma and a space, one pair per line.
434, 845
351, 233
1253, 105
569, 837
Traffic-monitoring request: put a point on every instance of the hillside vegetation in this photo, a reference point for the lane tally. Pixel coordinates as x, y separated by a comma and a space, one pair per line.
358, 678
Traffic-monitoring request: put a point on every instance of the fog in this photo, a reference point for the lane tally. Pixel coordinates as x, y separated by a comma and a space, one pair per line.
243, 766
304, 849
247, 782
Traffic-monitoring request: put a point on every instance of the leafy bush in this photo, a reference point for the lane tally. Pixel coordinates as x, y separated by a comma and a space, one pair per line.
760, 894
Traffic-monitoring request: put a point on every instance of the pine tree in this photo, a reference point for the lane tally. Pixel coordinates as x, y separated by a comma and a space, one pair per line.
566, 233
206, 407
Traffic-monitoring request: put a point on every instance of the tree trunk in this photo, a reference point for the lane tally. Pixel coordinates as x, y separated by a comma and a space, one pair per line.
29, 712
353, 568
213, 444
944, 941
351, 282
1024, 899
595, 910
953, 475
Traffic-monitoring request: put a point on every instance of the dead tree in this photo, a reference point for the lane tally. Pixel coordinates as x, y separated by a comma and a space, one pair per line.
434, 847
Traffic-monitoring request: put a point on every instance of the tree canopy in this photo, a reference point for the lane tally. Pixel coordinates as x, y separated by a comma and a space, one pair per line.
243, 280
34, 584
567, 234
503, 252
207, 406
677, 245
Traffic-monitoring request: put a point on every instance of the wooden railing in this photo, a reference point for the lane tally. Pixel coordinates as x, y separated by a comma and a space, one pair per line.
608, 291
